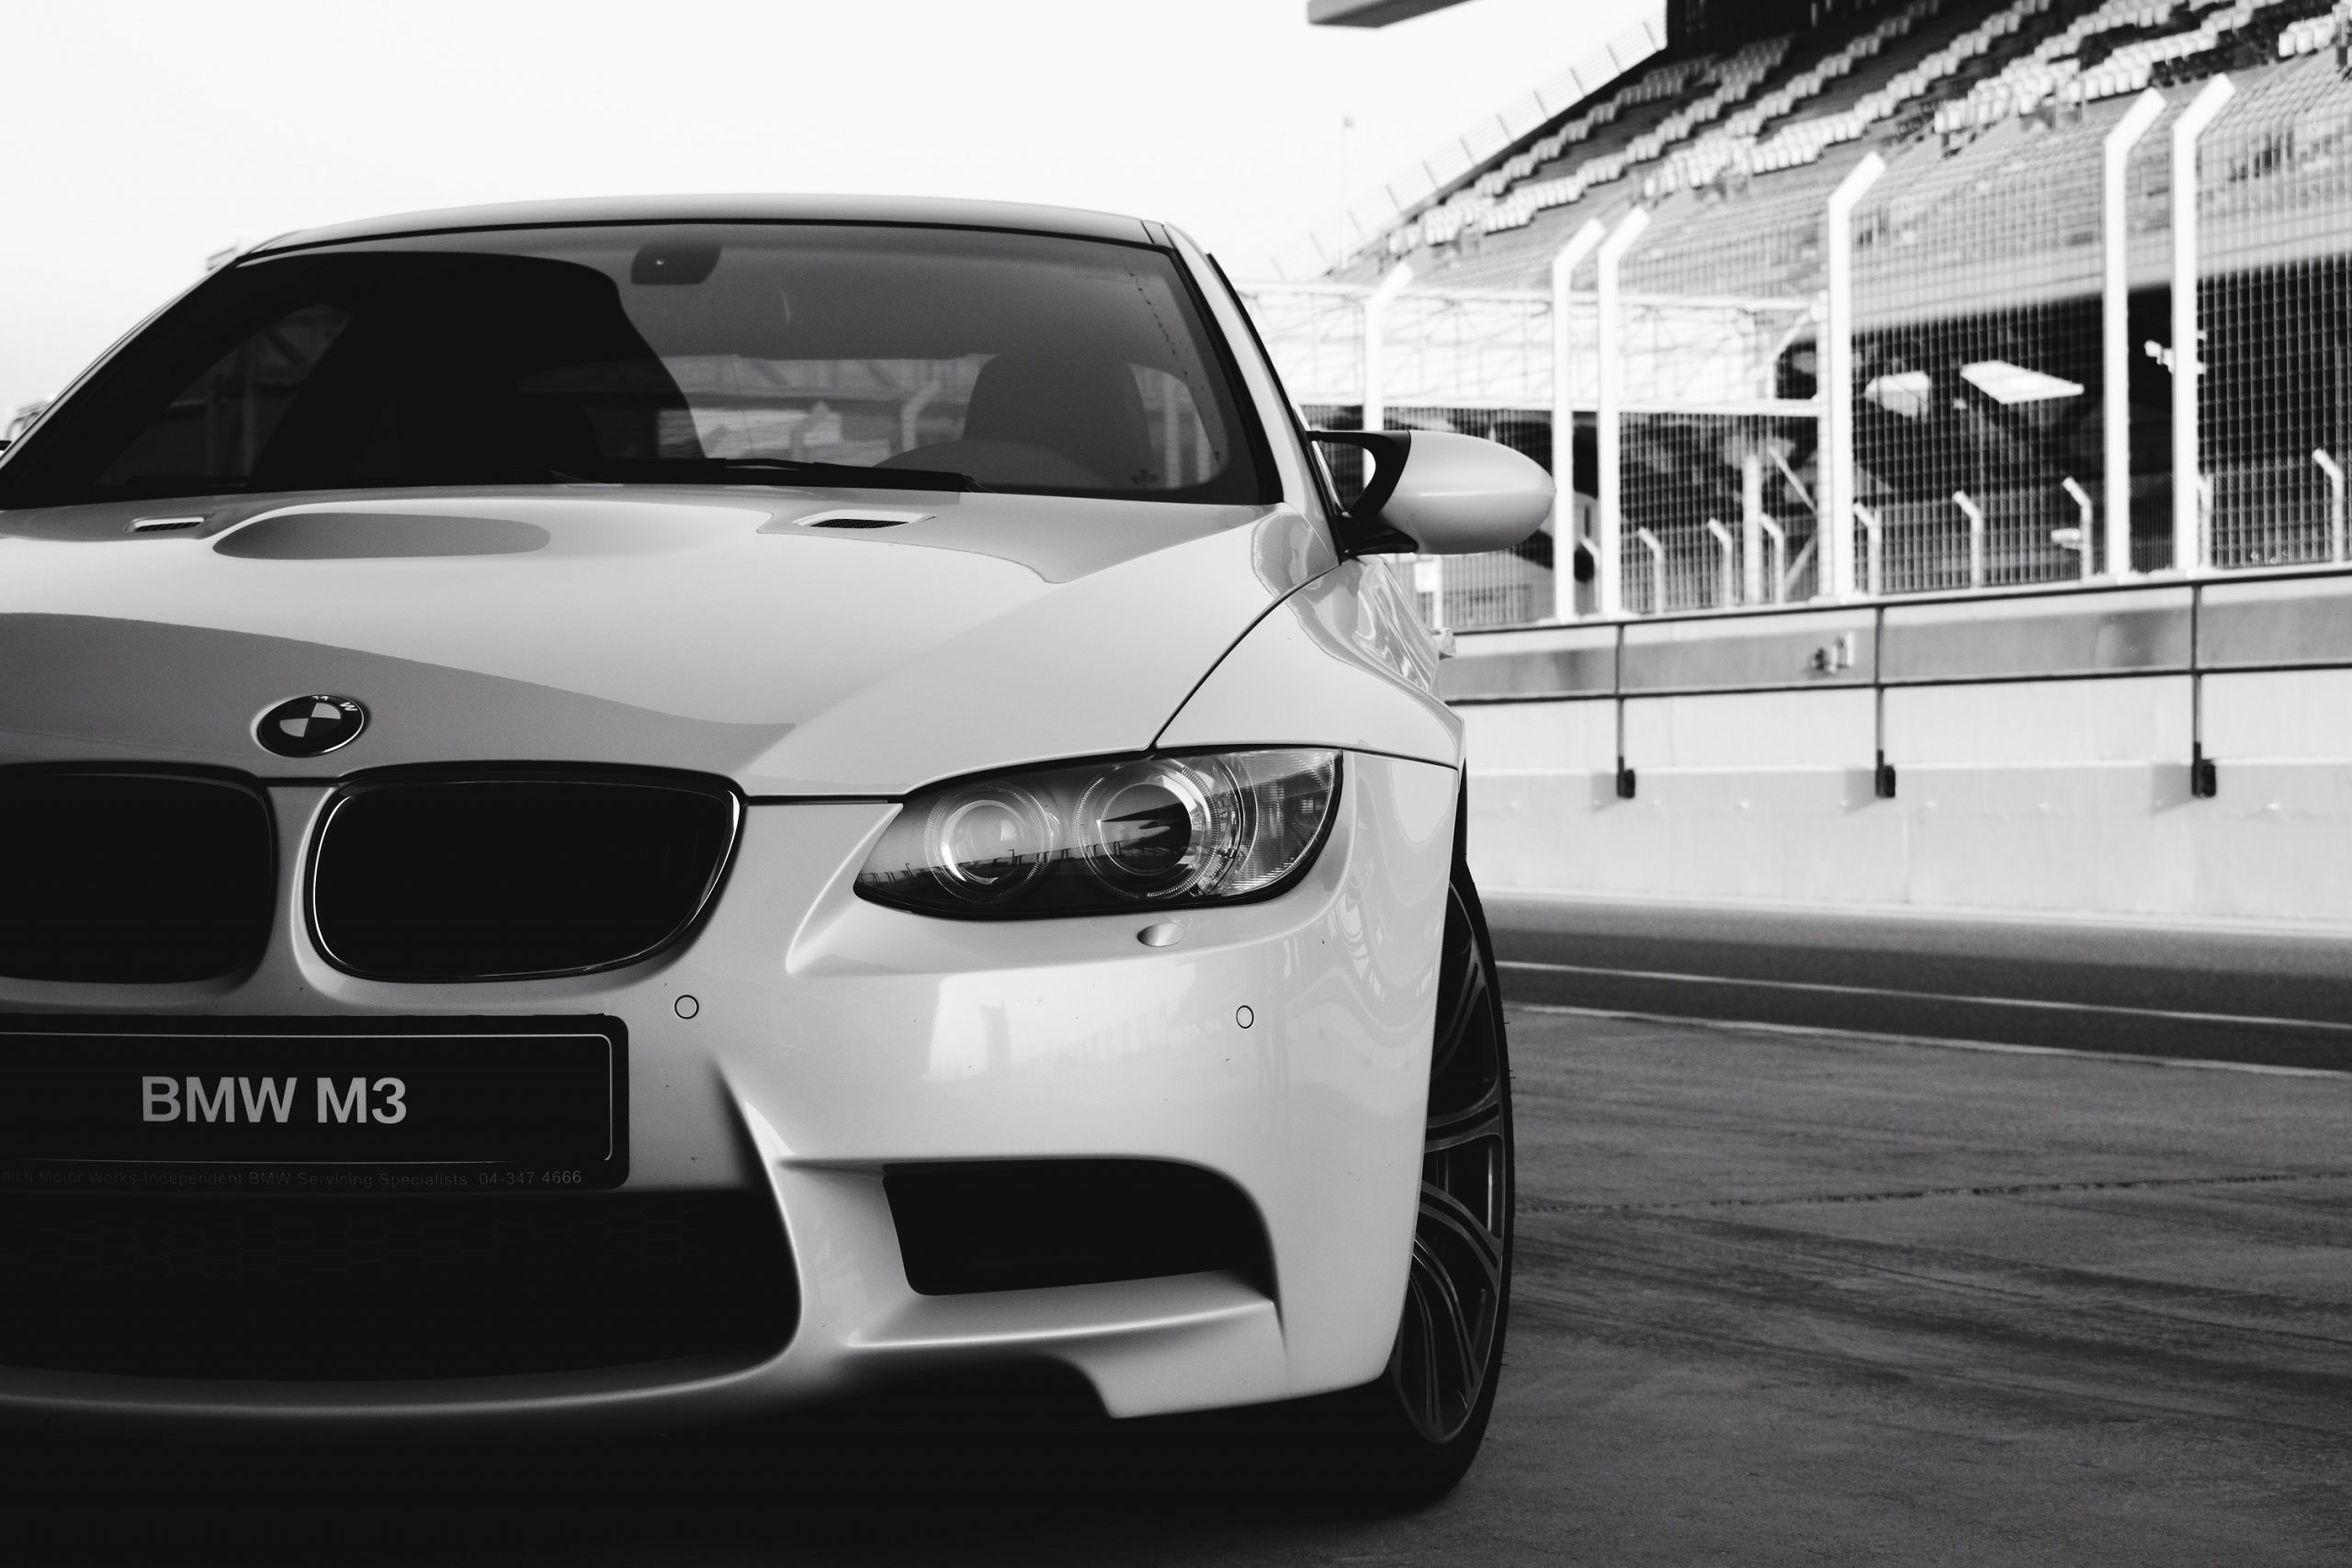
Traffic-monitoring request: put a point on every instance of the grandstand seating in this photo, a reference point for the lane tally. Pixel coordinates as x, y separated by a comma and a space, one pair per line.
1942, 68
1977, 268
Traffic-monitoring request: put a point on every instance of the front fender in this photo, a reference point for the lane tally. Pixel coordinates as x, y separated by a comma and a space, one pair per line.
1339, 662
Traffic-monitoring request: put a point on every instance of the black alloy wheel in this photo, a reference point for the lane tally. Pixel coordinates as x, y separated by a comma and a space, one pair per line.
1457, 1296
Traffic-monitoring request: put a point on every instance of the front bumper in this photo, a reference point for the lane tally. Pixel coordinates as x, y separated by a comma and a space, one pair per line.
829, 1037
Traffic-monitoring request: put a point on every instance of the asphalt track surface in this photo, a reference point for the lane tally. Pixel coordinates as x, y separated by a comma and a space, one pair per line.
1783, 1295
2247, 994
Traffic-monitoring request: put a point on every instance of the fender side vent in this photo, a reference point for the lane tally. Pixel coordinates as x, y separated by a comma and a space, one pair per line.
859, 523
163, 524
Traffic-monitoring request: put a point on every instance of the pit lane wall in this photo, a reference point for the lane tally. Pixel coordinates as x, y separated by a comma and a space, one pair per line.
2158, 748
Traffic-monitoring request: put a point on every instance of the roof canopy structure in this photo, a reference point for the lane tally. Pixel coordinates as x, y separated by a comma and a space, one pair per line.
1370, 13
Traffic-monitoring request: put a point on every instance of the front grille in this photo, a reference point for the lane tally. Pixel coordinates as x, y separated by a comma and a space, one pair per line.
116, 876
363, 1288
501, 877
1019, 1224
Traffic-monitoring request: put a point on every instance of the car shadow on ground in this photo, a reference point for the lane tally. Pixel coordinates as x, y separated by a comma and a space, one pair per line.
974, 1472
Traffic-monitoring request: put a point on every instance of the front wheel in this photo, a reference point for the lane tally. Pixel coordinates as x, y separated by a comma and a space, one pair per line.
1409, 1436
1449, 1347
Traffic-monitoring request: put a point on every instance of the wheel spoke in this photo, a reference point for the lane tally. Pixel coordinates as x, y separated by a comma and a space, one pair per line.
1483, 1120
1461, 1338
1443, 1210
1421, 1391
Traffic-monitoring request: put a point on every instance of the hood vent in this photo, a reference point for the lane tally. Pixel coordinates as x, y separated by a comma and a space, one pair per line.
862, 517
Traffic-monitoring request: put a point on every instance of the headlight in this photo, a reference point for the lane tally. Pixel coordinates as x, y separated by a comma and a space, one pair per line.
1136, 833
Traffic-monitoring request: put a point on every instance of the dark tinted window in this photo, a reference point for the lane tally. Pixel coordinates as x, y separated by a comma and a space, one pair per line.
665, 354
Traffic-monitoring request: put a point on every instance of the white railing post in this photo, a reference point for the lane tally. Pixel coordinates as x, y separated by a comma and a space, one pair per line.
1429, 577
1727, 584
1875, 535
2188, 353
1657, 570
2082, 529
2335, 472
1772, 530
1375, 371
1835, 533
1975, 516
1752, 529
2115, 326
1608, 577
1376, 326
1564, 417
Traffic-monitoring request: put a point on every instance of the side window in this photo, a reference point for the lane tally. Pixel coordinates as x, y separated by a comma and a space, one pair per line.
217, 427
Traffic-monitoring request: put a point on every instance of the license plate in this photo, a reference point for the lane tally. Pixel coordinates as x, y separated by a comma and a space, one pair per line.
407, 1105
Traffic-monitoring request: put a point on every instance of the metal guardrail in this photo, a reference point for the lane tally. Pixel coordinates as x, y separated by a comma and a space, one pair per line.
2257, 623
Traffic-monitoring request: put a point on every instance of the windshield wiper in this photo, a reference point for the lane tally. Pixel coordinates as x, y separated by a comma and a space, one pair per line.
726, 470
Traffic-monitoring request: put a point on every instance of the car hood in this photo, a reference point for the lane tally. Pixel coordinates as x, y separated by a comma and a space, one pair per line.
717, 631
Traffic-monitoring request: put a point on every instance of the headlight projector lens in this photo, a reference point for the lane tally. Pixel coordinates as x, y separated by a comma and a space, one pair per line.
1125, 834
989, 843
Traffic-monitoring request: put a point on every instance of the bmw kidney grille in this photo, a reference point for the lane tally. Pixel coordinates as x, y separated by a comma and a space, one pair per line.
483, 878
127, 877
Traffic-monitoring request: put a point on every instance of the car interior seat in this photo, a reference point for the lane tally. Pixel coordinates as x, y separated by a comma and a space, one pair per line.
1085, 409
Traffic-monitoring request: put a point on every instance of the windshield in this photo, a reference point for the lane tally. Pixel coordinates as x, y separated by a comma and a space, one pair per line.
730, 353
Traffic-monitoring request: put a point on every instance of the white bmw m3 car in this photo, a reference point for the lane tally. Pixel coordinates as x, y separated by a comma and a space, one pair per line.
662, 810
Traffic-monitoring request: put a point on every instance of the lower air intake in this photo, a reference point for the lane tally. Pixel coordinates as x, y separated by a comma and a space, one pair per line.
1019, 1224
369, 1287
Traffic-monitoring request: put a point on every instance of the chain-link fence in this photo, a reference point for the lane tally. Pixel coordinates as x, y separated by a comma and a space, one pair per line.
2274, 299
1985, 312
1978, 358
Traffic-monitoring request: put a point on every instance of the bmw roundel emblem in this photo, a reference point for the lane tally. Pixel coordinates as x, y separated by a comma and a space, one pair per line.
311, 726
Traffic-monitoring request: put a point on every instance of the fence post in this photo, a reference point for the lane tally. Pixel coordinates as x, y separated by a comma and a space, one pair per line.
1375, 323
1657, 570
1835, 532
2115, 327
2188, 541
1780, 555
1751, 532
1874, 534
1608, 577
2083, 530
1975, 516
1727, 584
2335, 472
1564, 419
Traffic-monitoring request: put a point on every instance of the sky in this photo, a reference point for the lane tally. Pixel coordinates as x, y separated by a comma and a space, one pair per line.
142, 137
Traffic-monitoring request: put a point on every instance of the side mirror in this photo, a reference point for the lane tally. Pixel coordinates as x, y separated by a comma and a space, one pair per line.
1441, 493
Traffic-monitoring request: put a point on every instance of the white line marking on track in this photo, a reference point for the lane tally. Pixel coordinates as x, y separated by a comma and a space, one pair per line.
1825, 989
2135, 1059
